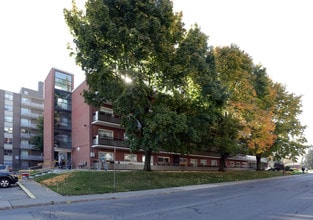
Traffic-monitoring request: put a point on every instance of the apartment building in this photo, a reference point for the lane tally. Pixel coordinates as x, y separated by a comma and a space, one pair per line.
58, 88
77, 135
18, 118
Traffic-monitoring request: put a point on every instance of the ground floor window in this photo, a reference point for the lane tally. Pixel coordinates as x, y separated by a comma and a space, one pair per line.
130, 157
203, 162
182, 161
214, 163
232, 164
194, 162
163, 160
106, 155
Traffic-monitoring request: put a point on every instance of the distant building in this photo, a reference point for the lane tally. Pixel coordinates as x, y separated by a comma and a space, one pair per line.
18, 119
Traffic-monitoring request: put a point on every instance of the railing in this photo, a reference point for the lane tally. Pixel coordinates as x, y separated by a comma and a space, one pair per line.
106, 118
27, 146
32, 157
107, 141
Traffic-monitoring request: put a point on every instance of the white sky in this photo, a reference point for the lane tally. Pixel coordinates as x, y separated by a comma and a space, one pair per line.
275, 33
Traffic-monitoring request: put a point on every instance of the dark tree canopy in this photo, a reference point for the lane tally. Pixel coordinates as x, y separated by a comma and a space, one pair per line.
160, 78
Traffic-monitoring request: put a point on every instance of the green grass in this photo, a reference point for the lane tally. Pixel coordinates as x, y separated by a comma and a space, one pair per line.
97, 182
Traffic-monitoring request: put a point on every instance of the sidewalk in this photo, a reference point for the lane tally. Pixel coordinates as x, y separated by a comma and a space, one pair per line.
40, 195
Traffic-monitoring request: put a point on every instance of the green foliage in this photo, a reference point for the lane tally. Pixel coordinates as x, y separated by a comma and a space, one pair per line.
159, 78
172, 90
290, 142
37, 140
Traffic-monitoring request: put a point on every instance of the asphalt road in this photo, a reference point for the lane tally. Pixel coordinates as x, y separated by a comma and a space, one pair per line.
288, 198
13, 192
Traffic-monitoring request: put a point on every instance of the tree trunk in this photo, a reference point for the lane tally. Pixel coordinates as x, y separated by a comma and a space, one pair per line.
147, 165
258, 162
222, 163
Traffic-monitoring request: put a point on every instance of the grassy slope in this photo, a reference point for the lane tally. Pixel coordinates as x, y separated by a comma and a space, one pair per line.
96, 182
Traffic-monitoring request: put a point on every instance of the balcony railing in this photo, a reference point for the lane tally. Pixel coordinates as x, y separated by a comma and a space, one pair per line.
33, 105
28, 125
30, 115
32, 157
108, 142
107, 119
27, 146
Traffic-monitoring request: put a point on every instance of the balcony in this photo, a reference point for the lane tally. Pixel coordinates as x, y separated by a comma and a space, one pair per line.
28, 125
32, 157
106, 119
27, 146
30, 115
107, 142
25, 136
33, 105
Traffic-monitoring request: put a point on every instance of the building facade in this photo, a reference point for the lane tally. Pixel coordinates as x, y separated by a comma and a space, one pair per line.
77, 135
58, 118
18, 118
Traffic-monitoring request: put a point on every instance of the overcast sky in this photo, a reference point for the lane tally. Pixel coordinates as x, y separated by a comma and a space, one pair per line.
275, 33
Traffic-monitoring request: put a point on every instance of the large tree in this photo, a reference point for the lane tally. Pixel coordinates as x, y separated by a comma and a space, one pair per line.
159, 78
290, 142
235, 67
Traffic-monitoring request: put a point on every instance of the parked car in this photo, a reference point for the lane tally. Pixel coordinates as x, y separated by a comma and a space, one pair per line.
7, 179
5, 168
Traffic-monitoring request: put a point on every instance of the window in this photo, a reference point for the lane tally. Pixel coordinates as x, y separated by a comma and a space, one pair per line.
232, 164
8, 152
203, 162
105, 133
244, 164
26, 100
194, 162
237, 164
106, 155
8, 107
163, 160
63, 103
24, 142
182, 161
25, 131
8, 96
63, 81
130, 157
25, 121
25, 110
214, 163
8, 130
8, 118
8, 140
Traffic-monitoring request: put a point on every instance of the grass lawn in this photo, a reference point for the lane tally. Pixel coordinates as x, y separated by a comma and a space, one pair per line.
96, 182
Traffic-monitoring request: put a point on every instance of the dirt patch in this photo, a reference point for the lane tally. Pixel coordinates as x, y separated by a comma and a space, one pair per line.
55, 181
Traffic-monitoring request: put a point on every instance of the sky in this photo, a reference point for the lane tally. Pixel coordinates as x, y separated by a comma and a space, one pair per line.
276, 33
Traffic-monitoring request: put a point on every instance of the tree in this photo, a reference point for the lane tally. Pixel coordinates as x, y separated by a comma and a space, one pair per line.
308, 159
158, 77
290, 142
225, 138
235, 72
37, 140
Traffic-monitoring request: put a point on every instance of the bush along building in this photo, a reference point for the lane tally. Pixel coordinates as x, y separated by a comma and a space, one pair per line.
18, 120
77, 135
